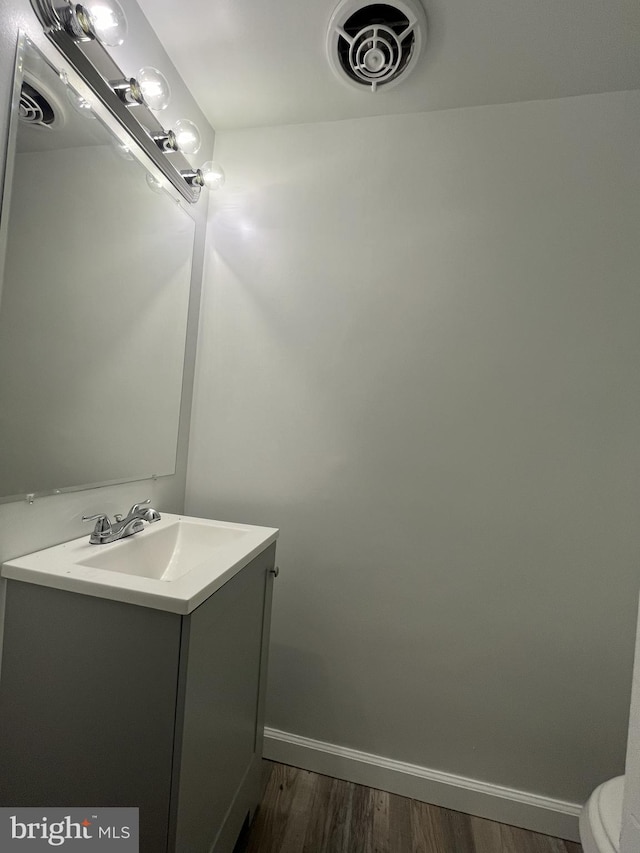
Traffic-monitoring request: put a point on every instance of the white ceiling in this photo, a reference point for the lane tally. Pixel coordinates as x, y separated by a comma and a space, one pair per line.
262, 62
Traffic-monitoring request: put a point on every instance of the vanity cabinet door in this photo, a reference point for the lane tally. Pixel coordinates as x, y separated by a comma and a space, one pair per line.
223, 652
87, 705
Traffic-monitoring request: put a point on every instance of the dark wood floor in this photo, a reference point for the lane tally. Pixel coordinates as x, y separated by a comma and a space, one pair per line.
303, 812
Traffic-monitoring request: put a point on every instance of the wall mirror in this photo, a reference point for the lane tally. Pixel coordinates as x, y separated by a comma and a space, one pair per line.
95, 253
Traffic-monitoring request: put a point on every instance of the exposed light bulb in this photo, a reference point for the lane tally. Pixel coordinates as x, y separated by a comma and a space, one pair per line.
187, 136
155, 88
108, 21
212, 175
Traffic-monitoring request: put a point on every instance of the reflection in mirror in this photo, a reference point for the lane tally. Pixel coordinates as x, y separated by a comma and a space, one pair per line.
93, 299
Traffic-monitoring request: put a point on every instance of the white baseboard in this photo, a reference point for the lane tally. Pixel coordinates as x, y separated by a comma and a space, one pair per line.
494, 802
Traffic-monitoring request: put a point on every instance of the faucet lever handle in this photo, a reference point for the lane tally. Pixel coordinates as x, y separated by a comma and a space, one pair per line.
102, 522
136, 507
141, 504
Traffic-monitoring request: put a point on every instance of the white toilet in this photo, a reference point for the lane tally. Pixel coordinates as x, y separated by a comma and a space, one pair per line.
601, 818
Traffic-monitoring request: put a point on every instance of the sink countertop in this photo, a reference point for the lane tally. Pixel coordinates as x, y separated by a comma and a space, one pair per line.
75, 566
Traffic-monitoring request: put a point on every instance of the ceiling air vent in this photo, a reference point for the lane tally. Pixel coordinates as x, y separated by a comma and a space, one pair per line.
39, 105
34, 107
376, 45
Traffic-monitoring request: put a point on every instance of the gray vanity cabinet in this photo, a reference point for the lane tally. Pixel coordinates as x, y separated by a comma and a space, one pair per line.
111, 704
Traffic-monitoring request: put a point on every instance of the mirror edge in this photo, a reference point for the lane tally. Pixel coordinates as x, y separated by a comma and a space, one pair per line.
6, 186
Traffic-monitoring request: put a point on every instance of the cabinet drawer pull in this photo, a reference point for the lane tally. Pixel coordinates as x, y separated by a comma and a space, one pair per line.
275, 571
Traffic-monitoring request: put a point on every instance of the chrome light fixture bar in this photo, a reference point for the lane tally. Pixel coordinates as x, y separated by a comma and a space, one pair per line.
70, 28
166, 141
211, 176
128, 91
193, 177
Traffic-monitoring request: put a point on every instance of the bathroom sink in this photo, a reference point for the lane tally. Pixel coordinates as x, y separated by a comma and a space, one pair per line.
165, 553
173, 564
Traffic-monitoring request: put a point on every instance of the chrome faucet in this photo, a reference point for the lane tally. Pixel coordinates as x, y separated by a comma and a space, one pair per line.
105, 531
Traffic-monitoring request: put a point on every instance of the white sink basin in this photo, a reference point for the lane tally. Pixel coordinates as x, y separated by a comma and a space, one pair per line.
166, 552
173, 564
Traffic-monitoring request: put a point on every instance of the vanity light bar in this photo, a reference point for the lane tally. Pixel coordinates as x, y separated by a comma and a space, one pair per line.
76, 22
166, 141
193, 177
211, 176
128, 91
104, 20
81, 39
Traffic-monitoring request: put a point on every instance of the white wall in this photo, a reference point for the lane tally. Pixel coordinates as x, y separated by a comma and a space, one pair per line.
419, 358
24, 528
